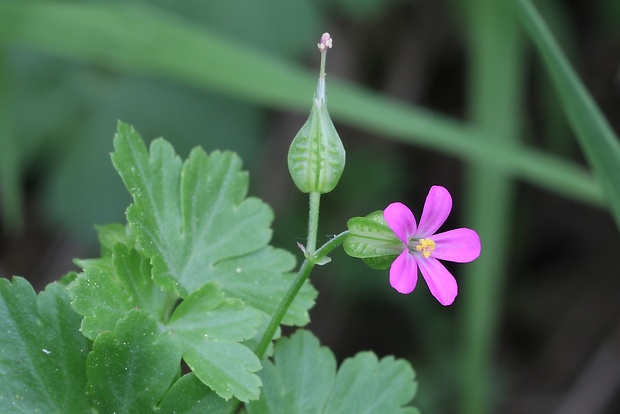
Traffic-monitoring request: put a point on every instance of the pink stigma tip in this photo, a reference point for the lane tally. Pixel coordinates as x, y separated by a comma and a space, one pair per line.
326, 42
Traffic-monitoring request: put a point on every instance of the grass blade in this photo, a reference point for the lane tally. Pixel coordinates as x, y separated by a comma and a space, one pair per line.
595, 136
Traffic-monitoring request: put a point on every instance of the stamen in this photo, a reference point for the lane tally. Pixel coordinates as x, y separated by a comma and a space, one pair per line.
426, 246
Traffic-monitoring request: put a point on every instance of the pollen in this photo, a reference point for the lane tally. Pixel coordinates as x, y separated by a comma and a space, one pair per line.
426, 246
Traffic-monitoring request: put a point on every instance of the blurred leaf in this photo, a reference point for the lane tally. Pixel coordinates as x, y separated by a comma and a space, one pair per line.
42, 352
146, 40
131, 368
209, 329
361, 9
10, 175
607, 14
262, 27
303, 380
158, 109
195, 223
495, 79
596, 138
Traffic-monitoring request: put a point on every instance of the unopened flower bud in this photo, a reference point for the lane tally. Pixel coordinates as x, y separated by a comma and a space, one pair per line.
316, 157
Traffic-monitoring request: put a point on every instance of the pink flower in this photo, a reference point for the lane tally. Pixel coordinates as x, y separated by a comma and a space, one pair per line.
422, 247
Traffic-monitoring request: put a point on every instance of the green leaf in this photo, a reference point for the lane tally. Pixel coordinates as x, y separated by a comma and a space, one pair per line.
303, 380
134, 273
595, 136
300, 378
195, 223
98, 296
189, 395
260, 281
209, 328
111, 234
371, 237
130, 369
42, 352
110, 287
367, 385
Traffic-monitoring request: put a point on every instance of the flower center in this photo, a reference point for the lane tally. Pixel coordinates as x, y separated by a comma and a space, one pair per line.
426, 247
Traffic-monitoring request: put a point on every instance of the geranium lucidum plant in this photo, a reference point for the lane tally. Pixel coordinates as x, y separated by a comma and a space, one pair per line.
191, 278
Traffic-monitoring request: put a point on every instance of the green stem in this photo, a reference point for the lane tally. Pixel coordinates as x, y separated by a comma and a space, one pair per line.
302, 275
323, 59
313, 222
285, 303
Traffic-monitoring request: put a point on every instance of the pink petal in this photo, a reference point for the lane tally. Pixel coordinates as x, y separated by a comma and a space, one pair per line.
401, 220
404, 273
439, 280
458, 245
437, 208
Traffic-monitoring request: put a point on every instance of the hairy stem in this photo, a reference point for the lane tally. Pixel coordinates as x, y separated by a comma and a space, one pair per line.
285, 303
302, 275
313, 222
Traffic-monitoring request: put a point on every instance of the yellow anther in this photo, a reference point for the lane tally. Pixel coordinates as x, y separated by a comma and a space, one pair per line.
426, 246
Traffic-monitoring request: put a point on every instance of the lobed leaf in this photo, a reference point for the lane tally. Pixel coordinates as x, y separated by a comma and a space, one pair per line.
131, 368
367, 385
262, 279
110, 287
300, 378
196, 225
42, 352
98, 296
208, 328
303, 380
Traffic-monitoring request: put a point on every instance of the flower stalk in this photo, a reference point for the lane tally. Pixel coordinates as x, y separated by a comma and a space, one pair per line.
313, 222
287, 300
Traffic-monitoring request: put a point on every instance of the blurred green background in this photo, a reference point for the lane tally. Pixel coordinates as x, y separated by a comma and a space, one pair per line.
468, 94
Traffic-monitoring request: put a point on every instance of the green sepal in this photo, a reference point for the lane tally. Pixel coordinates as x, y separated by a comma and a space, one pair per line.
317, 157
380, 263
370, 238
